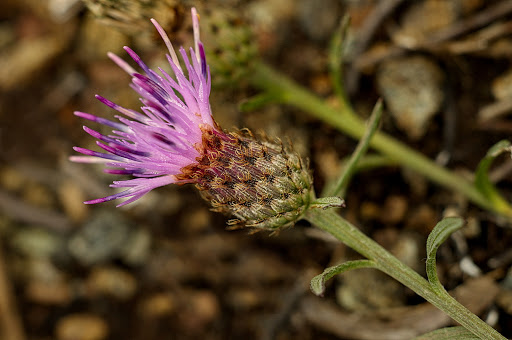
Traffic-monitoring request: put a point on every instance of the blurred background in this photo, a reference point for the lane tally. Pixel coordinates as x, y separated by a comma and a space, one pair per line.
165, 267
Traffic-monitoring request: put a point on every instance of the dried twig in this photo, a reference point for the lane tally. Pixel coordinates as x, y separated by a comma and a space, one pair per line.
364, 37
478, 20
12, 328
398, 323
21, 211
495, 110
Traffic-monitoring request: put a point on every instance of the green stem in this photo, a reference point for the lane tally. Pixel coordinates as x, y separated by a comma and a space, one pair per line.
345, 120
334, 224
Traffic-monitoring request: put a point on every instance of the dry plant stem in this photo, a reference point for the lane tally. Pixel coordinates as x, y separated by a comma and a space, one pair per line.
335, 225
364, 36
11, 325
345, 120
490, 14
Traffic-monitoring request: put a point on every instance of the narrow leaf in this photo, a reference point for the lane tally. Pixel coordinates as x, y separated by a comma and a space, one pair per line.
448, 333
336, 57
482, 182
338, 189
257, 101
328, 202
439, 234
318, 282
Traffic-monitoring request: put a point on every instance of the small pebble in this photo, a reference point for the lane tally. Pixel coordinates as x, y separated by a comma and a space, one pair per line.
112, 282
368, 290
412, 90
472, 229
81, 327
243, 299
330, 165
157, 306
57, 293
98, 39
409, 249
19, 64
369, 210
504, 300
204, 305
319, 22
501, 86
38, 195
423, 19
422, 219
71, 197
37, 242
137, 247
11, 179
101, 238
45, 283
197, 220
395, 208
63, 10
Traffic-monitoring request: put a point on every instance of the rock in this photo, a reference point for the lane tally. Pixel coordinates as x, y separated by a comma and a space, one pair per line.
12, 180
196, 221
330, 163
98, 39
101, 238
204, 306
504, 300
502, 86
81, 327
369, 210
267, 15
422, 219
409, 249
412, 90
369, 289
23, 60
157, 305
395, 208
37, 242
57, 293
423, 19
319, 22
112, 282
38, 195
46, 284
71, 197
136, 249
243, 299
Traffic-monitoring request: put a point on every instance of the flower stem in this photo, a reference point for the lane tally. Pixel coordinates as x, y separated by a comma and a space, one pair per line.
334, 224
345, 120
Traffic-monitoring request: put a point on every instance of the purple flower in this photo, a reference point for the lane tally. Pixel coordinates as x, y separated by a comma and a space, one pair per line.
175, 140
156, 144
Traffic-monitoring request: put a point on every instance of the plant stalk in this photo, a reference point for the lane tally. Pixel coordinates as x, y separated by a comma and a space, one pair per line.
345, 120
335, 225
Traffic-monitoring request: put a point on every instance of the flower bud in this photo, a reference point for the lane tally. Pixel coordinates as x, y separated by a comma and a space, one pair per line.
231, 47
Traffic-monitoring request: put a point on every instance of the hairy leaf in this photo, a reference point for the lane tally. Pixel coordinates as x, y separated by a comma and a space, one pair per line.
318, 282
439, 234
448, 333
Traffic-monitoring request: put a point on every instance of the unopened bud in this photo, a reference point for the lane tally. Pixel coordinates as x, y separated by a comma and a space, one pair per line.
231, 47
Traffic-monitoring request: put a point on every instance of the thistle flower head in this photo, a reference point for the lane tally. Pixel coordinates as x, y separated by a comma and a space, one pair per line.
155, 144
174, 139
